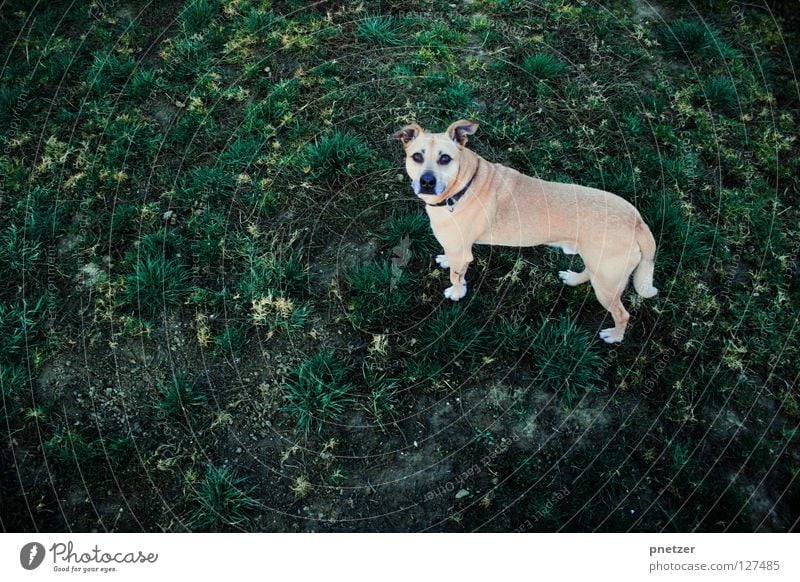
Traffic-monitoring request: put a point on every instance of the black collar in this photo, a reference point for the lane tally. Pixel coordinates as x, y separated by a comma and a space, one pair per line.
450, 201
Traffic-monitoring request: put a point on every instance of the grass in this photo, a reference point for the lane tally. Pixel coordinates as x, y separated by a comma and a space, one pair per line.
17, 255
687, 37
407, 231
513, 335
378, 293
278, 313
451, 332
13, 380
274, 108
317, 392
68, 447
566, 359
231, 341
181, 396
338, 157
220, 501
211, 254
157, 286
544, 67
282, 272
18, 329
721, 94
382, 395
382, 30
692, 240
109, 72
198, 15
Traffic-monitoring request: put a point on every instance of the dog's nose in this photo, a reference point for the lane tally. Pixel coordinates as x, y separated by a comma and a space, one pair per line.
427, 181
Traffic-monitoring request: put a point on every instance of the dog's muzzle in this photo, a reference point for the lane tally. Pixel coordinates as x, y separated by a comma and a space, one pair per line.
427, 183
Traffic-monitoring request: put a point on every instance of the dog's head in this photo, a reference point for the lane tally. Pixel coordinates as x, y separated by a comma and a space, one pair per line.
432, 159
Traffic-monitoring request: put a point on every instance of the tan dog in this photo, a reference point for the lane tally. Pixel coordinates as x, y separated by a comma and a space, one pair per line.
472, 201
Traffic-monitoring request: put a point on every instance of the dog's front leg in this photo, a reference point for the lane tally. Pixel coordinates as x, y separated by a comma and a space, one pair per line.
458, 262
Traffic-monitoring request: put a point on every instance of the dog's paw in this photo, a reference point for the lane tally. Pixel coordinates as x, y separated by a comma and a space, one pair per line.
648, 293
451, 292
611, 335
572, 278
442, 261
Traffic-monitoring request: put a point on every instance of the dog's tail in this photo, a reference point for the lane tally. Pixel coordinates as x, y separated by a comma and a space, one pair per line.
643, 276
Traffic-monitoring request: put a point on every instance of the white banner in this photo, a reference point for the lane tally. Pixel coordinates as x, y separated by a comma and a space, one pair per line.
355, 557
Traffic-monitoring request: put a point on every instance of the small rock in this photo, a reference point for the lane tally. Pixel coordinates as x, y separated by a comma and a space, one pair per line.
462, 493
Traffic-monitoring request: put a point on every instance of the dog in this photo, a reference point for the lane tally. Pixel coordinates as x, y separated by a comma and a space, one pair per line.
472, 201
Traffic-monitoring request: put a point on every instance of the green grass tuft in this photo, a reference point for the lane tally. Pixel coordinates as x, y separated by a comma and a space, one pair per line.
18, 253
13, 380
259, 21
231, 341
157, 285
143, 82
411, 231
221, 500
9, 101
241, 154
284, 274
685, 38
566, 359
512, 335
684, 242
277, 105
68, 446
377, 293
18, 329
181, 396
451, 332
317, 392
721, 94
109, 72
379, 30
692, 39
197, 16
544, 67
338, 157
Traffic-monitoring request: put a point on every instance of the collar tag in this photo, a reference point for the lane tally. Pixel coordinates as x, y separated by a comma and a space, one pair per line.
451, 204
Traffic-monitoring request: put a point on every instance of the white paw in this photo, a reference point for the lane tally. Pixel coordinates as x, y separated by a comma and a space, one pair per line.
442, 261
571, 278
451, 293
611, 336
648, 293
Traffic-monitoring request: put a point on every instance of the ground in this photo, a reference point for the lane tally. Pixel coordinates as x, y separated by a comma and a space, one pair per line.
223, 310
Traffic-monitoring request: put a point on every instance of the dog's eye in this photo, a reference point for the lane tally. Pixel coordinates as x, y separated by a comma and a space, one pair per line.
445, 159
417, 157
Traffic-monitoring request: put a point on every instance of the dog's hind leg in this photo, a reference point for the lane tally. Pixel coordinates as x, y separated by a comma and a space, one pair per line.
613, 303
608, 287
572, 278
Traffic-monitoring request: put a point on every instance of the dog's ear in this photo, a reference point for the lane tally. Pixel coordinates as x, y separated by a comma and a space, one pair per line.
459, 131
406, 134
